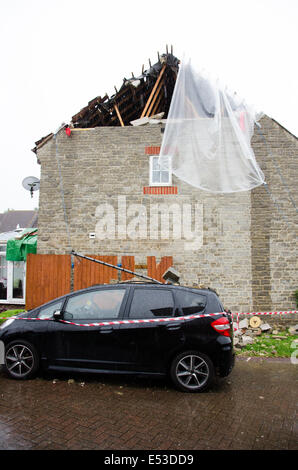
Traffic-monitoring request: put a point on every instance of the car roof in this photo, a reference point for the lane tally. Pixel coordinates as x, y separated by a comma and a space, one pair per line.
149, 284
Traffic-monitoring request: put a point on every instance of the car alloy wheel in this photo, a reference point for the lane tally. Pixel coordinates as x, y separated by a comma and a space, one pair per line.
21, 360
192, 371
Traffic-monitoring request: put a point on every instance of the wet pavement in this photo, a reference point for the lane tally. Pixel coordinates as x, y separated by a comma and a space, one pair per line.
255, 408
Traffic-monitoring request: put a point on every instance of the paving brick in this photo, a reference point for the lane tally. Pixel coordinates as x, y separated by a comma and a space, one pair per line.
151, 415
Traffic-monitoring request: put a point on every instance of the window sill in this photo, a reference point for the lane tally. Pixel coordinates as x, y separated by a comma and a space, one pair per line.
13, 301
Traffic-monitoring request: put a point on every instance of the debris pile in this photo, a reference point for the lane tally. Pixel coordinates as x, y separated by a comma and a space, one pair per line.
247, 330
140, 99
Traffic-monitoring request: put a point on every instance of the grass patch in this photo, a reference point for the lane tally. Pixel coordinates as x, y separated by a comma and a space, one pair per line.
267, 346
9, 313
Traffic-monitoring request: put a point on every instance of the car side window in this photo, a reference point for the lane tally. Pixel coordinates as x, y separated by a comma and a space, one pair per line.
95, 305
214, 305
190, 302
47, 312
151, 303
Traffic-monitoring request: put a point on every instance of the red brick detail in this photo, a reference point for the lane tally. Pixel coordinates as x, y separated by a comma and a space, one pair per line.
160, 190
152, 150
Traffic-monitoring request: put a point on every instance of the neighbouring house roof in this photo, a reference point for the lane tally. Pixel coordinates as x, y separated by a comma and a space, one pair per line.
141, 96
11, 220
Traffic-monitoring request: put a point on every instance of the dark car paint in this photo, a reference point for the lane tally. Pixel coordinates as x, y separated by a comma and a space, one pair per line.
127, 348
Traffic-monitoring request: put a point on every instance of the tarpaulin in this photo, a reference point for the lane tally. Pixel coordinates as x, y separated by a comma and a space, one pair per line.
18, 248
208, 135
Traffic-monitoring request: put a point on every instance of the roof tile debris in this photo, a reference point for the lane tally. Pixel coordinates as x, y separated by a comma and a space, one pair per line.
144, 96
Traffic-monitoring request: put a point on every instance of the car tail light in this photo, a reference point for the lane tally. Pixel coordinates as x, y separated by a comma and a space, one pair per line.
222, 326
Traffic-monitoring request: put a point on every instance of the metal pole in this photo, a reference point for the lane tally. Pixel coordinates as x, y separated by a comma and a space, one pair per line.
115, 267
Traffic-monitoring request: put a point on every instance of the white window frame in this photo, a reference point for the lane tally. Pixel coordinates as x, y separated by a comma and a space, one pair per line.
9, 297
151, 183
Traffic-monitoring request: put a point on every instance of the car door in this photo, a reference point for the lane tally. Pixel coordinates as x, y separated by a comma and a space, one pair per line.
36, 332
87, 337
150, 333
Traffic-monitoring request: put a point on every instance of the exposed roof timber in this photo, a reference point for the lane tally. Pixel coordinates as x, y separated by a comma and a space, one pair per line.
136, 89
154, 90
118, 115
147, 94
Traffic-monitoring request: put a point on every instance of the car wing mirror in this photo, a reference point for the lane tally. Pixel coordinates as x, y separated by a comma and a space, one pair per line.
57, 315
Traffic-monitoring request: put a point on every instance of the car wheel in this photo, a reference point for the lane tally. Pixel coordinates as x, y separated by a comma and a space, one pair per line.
192, 371
21, 360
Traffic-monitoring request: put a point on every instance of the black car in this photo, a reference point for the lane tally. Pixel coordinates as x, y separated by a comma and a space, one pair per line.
125, 328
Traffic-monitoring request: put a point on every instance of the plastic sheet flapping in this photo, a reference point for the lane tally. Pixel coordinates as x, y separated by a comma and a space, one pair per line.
208, 135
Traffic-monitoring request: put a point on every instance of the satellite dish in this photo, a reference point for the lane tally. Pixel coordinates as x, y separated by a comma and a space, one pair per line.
31, 183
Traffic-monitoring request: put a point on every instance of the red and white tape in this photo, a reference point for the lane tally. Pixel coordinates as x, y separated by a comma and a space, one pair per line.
158, 320
144, 320
260, 313
125, 322
265, 313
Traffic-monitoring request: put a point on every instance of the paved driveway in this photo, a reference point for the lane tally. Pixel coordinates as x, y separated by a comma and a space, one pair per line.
254, 408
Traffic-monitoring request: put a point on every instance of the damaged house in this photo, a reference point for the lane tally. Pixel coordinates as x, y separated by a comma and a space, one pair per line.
104, 193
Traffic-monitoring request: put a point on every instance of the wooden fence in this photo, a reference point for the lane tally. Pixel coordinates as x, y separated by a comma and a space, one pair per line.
47, 277
50, 276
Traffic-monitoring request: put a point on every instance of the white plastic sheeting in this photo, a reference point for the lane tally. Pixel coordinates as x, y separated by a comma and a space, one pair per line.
208, 133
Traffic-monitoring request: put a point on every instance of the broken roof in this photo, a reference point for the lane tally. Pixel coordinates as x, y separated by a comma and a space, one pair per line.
142, 96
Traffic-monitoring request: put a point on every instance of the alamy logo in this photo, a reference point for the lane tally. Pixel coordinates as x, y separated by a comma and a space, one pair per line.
159, 221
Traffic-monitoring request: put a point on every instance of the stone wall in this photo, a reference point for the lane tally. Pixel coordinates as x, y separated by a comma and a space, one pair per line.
248, 252
274, 219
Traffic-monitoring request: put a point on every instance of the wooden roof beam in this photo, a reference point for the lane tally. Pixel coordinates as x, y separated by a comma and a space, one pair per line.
155, 97
153, 90
119, 115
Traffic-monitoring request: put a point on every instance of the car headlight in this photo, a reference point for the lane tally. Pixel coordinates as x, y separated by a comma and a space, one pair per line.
6, 323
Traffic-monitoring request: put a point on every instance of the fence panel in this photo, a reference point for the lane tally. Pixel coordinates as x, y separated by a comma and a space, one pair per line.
47, 277
127, 262
157, 271
87, 273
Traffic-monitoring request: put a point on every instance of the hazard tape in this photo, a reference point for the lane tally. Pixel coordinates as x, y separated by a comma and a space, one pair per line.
259, 313
126, 322
145, 320
265, 313
157, 320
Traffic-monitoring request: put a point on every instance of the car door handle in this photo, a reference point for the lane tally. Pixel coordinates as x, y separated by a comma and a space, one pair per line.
107, 329
173, 327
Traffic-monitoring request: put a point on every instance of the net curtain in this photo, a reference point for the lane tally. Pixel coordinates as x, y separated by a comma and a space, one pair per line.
208, 135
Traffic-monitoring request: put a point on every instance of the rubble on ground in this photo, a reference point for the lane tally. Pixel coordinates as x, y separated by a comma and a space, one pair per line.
246, 330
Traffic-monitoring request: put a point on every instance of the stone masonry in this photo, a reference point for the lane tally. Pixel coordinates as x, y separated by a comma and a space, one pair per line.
249, 246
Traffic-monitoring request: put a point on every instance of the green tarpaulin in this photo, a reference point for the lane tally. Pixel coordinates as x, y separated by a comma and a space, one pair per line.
18, 248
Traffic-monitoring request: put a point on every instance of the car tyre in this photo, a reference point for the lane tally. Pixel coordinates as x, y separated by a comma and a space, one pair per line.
192, 371
21, 360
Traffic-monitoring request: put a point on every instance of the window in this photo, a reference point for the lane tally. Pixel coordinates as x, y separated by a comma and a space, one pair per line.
191, 303
47, 312
95, 305
160, 175
151, 303
12, 279
3, 274
18, 279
